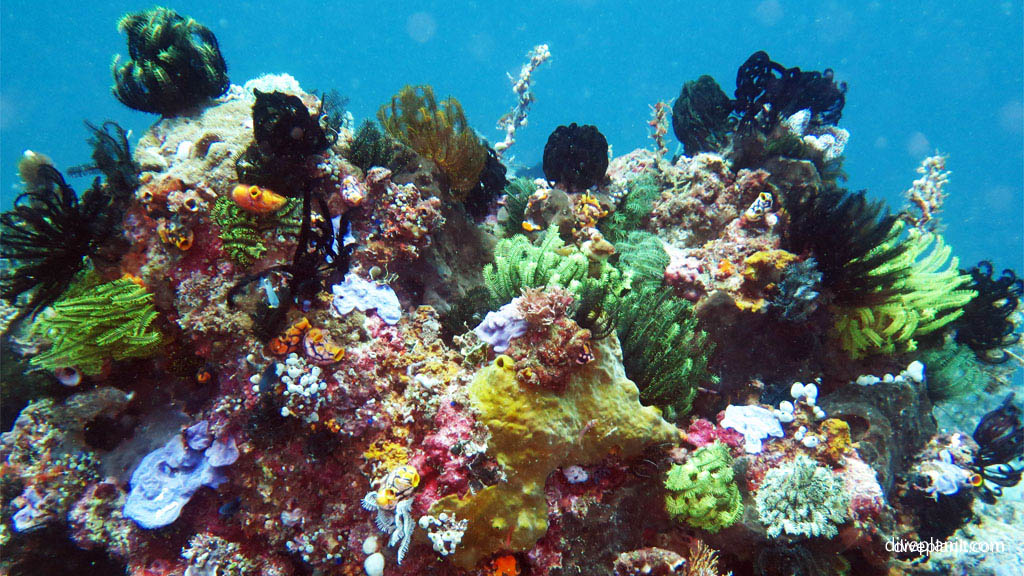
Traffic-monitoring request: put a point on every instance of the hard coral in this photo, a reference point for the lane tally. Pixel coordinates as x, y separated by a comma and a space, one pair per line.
802, 499
440, 133
175, 63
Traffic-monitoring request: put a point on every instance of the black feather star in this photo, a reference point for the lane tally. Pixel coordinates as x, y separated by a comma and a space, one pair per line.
47, 237
986, 326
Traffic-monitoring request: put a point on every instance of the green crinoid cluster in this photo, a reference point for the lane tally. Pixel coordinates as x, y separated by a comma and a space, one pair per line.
926, 295
642, 254
517, 196
634, 208
519, 264
241, 233
438, 131
89, 326
369, 147
663, 350
175, 63
703, 492
802, 498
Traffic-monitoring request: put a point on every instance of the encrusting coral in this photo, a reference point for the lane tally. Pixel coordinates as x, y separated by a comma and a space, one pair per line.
702, 490
438, 132
108, 321
175, 63
533, 432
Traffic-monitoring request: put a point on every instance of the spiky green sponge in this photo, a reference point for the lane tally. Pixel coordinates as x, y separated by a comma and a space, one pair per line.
704, 494
109, 321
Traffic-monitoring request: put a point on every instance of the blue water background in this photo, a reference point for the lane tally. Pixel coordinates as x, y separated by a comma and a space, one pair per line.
923, 76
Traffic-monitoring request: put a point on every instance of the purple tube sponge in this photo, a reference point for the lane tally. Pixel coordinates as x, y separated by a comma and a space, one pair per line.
498, 328
167, 477
355, 292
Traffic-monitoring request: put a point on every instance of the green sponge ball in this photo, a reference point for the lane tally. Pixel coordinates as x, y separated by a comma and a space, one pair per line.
704, 493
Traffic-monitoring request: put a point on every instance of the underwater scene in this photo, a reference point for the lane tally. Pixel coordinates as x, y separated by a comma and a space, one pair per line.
572, 288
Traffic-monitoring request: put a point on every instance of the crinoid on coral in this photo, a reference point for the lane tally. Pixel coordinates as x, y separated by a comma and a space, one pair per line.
928, 294
701, 116
986, 326
369, 147
517, 196
439, 132
843, 232
112, 157
767, 92
802, 499
576, 157
94, 324
663, 350
953, 371
175, 63
491, 183
702, 491
642, 255
519, 264
48, 236
633, 209
284, 127
1000, 438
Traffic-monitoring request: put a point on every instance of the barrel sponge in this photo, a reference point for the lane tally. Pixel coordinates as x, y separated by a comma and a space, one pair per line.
535, 431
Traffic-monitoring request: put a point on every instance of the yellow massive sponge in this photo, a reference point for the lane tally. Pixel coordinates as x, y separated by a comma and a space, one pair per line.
534, 432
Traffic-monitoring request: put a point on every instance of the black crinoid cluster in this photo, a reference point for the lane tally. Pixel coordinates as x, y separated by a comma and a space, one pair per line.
175, 63
702, 116
48, 236
112, 157
986, 326
767, 92
576, 157
490, 185
1000, 438
285, 134
843, 231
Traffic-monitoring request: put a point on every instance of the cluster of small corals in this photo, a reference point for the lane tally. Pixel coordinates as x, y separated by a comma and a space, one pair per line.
303, 389
97, 520
402, 219
927, 194
554, 346
703, 197
445, 532
828, 140
209, 554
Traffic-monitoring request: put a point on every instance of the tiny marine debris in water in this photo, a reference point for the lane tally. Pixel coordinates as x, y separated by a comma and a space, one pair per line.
264, 343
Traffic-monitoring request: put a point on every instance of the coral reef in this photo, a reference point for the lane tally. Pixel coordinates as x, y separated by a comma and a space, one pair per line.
175, 63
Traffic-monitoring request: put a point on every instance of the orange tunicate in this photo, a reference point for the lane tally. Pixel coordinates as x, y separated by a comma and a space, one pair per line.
505, 566
257, 200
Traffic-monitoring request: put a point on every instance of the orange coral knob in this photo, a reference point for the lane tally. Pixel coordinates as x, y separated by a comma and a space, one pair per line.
257, 200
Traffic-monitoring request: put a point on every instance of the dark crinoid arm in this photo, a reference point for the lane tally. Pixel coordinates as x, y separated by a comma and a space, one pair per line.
47, 236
